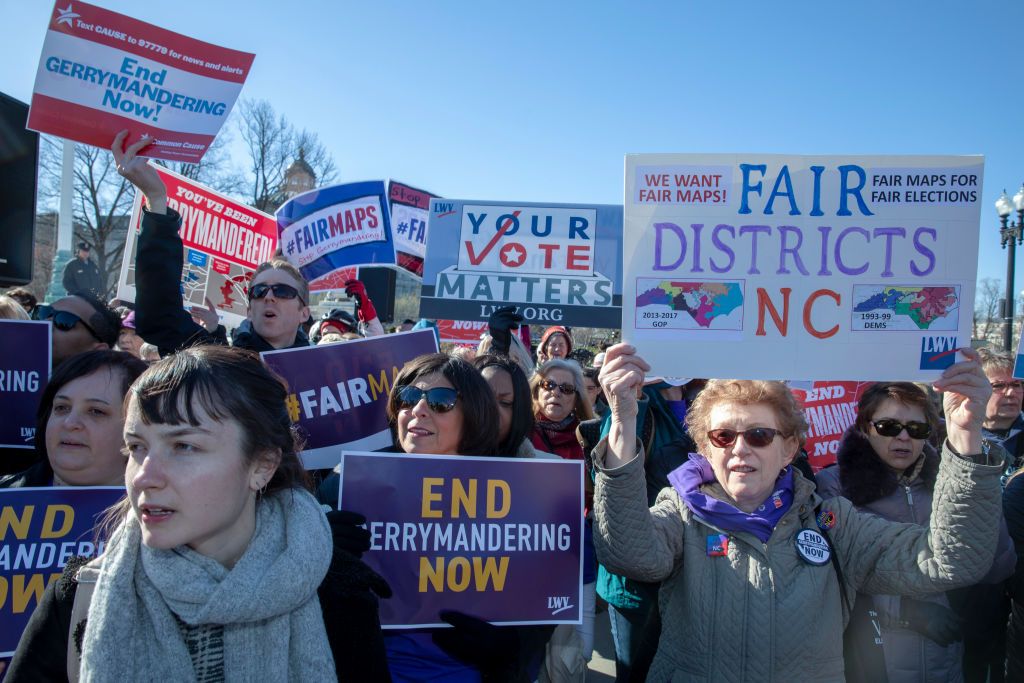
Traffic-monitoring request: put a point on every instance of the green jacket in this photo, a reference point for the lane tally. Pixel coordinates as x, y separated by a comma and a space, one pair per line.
761, 613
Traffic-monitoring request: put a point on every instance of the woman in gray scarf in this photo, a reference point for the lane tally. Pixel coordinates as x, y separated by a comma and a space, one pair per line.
212, 570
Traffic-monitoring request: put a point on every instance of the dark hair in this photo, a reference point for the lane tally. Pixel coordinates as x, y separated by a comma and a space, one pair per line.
907, 393
479, 409
24, 297
522, 402
227, 384
104, 321
80, 365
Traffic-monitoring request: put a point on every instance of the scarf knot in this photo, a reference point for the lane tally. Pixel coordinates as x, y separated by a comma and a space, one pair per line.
688, 479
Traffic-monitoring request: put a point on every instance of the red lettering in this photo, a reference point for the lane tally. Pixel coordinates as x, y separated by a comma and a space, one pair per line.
371, 211
350, 225
360, 216
577, 257
548, 249
765, 302
807, 313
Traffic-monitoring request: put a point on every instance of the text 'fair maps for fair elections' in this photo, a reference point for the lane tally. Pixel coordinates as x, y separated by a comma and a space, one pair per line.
800, 267
333, 228
558, 263
102, 72
223, 243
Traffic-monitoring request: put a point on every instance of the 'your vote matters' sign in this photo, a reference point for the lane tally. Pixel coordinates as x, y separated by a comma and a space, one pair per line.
557, 262
800, 267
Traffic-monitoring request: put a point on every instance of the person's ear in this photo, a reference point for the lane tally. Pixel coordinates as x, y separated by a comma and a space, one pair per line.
792, 447
263, 470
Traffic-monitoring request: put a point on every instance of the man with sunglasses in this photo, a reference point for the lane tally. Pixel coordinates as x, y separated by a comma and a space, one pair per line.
278, 295
80, 323
1004, 421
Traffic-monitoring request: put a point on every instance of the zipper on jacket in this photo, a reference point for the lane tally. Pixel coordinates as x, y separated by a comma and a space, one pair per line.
910, 502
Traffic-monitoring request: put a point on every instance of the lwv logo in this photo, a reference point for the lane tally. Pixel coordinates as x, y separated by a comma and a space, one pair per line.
558, 604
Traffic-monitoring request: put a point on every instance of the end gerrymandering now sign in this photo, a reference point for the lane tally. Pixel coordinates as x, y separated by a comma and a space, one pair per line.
40, 530
101, 72
496, 538
338, 393
830, 409
800, 267
24, 371
559, 263
223, 241
331, 229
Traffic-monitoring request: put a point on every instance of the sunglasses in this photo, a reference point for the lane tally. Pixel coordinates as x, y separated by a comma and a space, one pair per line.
281, 291
890, 427
566, 389
1003, 386
439, 399
758, 437
62, 320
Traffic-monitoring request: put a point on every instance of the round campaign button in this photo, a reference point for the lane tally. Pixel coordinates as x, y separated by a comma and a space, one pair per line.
813, 547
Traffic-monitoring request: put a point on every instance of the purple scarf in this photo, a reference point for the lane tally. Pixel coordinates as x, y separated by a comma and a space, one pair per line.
688, 479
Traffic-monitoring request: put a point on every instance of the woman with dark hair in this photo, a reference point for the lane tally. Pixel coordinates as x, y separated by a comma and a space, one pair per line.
886, 466
440, 404
511, 390
213, 564
79, 423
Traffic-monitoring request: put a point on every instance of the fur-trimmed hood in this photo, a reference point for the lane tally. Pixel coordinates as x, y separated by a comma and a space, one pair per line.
865, 478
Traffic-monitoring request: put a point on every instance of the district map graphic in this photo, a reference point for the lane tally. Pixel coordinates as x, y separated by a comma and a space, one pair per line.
689, 305
883, 307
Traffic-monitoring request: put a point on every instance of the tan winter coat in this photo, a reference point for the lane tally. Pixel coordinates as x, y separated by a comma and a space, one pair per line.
762, 613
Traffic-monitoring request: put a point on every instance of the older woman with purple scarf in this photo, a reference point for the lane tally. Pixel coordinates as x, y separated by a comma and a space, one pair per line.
757, 572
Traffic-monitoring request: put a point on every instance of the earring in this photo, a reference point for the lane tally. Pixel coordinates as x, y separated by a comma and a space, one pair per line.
262, 490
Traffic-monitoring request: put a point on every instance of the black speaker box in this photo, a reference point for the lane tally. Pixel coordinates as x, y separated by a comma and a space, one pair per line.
19, 154
380, 287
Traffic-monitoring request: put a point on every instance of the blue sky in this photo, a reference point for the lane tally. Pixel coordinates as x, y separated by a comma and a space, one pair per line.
534, 101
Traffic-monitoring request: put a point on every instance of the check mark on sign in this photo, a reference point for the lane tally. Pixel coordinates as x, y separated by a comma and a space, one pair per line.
475, 259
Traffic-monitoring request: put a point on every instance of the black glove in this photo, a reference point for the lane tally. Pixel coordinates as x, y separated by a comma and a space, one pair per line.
499, 323
494, 650
931, 620
348, 532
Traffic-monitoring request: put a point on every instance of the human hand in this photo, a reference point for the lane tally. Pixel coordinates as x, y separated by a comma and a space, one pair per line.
499, 324
931, 620
364, 307
138, 172
207, 317
348, 531
621, 377
966, 393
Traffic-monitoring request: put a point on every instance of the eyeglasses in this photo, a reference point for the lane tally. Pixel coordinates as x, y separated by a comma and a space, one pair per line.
566, 389
758, 437
280, 290
1003, 386
62, 320
439, 399
890, 427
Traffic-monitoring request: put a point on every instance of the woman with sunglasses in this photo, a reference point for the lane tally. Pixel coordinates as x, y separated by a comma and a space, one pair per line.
441, 405
758, 572
886, 466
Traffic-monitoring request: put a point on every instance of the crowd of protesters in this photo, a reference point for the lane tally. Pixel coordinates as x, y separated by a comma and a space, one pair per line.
716, 550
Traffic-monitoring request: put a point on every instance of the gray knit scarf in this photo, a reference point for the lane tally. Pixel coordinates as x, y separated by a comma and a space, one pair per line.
267, 603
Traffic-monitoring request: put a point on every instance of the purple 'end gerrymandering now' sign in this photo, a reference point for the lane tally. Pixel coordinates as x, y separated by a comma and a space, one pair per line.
497, 538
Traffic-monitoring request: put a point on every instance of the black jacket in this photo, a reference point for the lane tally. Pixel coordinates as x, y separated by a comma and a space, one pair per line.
83, 277
39, 474
160, 315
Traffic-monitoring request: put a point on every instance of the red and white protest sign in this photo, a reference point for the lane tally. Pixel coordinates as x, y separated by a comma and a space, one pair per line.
223, 241
461, 331
410, 209
102, 72
830, 408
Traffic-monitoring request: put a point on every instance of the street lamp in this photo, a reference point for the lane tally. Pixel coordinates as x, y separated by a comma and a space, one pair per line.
1010, 234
